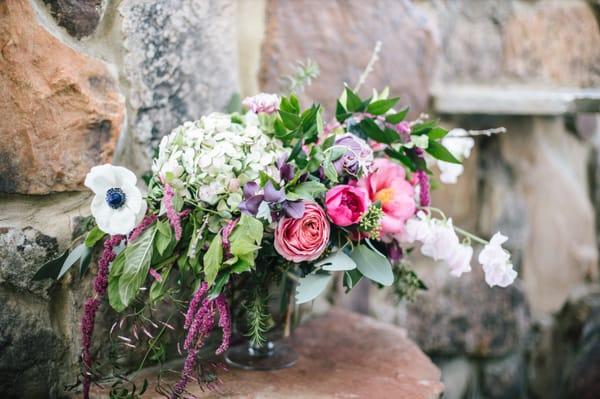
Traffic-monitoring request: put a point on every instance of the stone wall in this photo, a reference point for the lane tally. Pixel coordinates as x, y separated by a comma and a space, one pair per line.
92, 81
82, 83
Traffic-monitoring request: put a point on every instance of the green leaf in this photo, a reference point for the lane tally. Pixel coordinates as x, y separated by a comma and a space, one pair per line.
114, 297
330, 171
157, 289
307, 191
84, 262
340, 112
290, 121
336, 262
353, 102
213, 259
440, 152
387, 136
219, 284
94, 236
398, 117
380, 107
351, 278
137, 263
51, 268
311, 286
329, 141
406, 160
373, 265
423, 128
78, 252
164, 236
437, 133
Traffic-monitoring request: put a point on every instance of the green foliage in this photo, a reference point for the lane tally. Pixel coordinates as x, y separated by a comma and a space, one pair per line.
338, 261
302, 76
307, 190
407, 283
94, 236
213, 259
380, 107
311, 286
51, 268
258, 317
373, 265
440, 152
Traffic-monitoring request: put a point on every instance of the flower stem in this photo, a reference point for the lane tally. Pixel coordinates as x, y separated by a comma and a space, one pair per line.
471, 236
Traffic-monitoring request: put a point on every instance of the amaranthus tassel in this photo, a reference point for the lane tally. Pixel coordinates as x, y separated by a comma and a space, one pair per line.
172, 215
91, 307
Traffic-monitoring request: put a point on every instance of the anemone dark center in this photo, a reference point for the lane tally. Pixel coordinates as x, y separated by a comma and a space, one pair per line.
115, 197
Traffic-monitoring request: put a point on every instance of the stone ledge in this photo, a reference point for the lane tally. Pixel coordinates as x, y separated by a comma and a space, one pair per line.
342, 355
496, 100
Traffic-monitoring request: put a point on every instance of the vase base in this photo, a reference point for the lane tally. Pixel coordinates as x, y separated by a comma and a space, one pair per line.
272, 356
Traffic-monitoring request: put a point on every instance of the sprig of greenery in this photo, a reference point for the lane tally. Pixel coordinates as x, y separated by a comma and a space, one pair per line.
258, 318
407, 284
304, 73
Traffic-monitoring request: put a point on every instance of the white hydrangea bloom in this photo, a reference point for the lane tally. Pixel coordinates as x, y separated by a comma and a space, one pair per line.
215, 156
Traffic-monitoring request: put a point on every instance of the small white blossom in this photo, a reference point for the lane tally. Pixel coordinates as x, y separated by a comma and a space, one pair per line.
496, 263
441, 241
458, 142
459, 261
118, 205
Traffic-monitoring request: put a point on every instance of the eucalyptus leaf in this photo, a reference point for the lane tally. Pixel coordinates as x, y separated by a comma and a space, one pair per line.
77, 253
84, 261
373, 265
311, 286
338, 261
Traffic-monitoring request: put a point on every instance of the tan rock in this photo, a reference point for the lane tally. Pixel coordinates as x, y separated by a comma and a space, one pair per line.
554, 42
340, 37
342, 355
61, 112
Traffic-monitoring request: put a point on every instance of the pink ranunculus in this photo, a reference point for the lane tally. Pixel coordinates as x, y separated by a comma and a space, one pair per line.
346, 204
387, 184
305, 238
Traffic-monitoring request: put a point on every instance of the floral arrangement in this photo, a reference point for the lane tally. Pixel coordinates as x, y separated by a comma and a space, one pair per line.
271, 199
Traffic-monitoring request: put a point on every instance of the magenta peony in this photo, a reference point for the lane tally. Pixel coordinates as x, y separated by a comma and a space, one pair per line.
305, 238
346, 204
387, 184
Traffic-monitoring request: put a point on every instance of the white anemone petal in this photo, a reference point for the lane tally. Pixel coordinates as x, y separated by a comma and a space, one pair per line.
133, 198
122, 221
124, 177
100, 178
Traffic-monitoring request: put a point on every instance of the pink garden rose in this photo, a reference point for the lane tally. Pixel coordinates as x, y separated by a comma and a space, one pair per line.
305, 238
346, 204
387, 184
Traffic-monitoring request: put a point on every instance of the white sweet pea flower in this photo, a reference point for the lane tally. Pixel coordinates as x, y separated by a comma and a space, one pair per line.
459, 261
496, 263
441, 241
118, 205
449, 171
458, 142
417, 228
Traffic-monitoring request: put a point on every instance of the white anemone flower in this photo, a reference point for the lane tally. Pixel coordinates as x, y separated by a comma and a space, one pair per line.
118, 205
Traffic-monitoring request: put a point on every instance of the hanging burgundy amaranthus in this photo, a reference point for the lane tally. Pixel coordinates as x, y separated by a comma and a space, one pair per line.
199, 322
91, 307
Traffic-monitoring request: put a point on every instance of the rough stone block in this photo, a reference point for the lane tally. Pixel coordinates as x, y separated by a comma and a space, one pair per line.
340, 37
180, 62
61, 110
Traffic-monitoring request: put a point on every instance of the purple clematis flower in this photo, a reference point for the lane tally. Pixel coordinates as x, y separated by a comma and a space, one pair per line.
274, 198
286, 170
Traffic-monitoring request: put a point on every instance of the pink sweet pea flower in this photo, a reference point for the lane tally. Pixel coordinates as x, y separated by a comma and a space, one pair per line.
387, 184
346, 204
